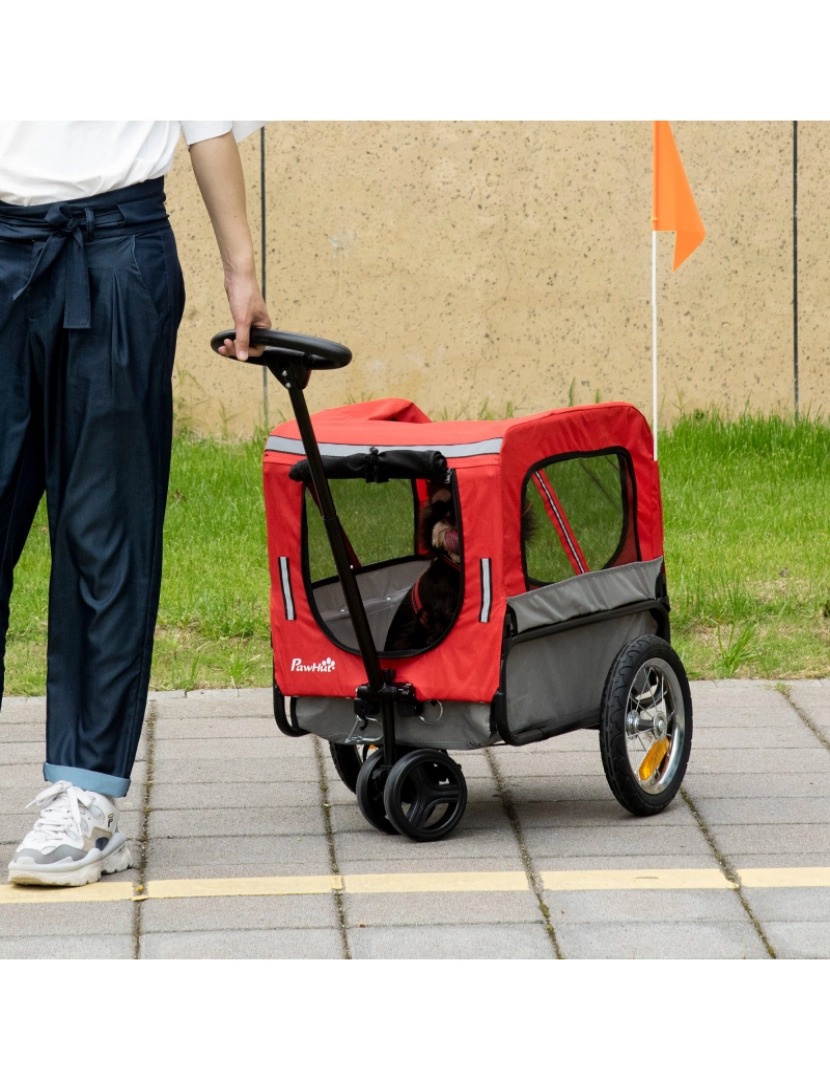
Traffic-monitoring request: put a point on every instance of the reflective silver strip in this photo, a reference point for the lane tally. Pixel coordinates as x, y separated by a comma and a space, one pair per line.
485, 591
461, 450
287, 707
552, 503
285, 579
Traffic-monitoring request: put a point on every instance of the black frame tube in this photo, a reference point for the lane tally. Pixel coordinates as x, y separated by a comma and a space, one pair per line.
263, 258
293, 376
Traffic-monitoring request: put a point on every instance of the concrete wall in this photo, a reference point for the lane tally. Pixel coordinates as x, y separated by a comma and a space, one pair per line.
477, 265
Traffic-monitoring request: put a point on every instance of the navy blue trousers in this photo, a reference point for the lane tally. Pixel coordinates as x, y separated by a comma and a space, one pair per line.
91, 296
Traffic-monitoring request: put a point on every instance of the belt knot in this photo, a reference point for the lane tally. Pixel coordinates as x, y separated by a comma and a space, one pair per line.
66, 227
61, 221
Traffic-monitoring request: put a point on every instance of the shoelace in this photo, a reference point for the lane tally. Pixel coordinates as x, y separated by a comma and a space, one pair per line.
60, 806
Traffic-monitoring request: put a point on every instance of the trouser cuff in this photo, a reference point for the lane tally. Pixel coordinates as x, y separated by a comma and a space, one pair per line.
114, 787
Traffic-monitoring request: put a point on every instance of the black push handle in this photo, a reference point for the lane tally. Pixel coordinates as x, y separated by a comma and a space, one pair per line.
317, 354
377, 467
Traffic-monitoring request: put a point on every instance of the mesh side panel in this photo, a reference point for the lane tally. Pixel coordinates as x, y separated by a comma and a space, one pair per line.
382, 590
584, 507
553, 682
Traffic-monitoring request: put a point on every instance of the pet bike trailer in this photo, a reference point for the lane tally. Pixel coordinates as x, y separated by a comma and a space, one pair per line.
556, 618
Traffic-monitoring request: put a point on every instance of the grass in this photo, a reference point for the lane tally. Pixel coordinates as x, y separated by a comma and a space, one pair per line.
747, 520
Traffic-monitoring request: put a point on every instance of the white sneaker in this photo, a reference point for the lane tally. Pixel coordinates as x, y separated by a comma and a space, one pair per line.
73, 842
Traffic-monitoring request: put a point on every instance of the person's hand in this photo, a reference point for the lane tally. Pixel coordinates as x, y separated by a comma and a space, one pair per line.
247, 310
218, 170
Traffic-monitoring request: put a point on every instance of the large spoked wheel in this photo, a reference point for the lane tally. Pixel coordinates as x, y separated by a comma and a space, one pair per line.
425, 795
371, 781
348, 761
645, 733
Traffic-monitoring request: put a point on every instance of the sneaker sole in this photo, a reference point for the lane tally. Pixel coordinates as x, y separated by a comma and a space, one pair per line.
113, 860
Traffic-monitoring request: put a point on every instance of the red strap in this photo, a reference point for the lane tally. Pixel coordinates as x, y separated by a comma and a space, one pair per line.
418, 608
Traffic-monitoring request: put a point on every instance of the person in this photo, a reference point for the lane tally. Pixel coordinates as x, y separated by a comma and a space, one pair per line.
91, 296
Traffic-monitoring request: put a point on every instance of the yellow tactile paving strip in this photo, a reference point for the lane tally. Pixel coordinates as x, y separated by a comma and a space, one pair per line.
799, 877
596, 880
35, 894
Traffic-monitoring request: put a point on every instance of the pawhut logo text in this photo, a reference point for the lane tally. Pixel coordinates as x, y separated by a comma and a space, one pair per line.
324, 665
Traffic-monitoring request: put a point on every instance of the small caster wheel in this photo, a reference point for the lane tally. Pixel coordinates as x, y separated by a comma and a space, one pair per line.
371, 781
645, 731
348, 761
425, 795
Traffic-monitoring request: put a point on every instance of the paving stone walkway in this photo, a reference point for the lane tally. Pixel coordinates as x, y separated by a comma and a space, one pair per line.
246, 844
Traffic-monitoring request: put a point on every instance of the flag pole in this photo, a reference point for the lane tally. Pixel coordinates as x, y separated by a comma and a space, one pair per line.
654, 134
654, 334
263, 258
673, 210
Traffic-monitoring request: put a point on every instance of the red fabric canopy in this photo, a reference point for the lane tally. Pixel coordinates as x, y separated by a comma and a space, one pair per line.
491, 459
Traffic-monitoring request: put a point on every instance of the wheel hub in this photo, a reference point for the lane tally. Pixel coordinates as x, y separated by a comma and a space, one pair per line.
637, 723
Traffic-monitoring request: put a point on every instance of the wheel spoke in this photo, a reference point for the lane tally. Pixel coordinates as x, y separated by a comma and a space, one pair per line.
636, 694
642, 751
419, 782
435, 803
443, 791
418, 813
643, 700
428, 795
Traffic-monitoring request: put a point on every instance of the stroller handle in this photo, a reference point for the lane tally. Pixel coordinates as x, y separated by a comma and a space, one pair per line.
291, 358
317, 354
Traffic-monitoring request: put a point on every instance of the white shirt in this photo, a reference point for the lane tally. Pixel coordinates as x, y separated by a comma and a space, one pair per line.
48, 161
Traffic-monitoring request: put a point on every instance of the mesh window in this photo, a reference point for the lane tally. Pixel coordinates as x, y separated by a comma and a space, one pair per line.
583, 510
381, 526
378, 519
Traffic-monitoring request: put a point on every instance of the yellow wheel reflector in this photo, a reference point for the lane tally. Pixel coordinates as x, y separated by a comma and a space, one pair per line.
653, 759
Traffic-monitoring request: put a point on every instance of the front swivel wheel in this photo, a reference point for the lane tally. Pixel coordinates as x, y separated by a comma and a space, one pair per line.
425, 795
348, 761
371, 781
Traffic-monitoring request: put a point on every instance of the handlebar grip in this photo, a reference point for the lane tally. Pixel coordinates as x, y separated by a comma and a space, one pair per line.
317, 354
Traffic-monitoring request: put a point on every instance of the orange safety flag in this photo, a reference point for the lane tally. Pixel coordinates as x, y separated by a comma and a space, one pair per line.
673, 205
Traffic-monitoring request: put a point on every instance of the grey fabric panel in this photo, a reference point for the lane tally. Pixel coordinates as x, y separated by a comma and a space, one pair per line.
465, 725
382, 591
586, 594
556, 681
451, 450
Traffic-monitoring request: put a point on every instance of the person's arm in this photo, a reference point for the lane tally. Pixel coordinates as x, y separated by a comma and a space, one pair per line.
219, 175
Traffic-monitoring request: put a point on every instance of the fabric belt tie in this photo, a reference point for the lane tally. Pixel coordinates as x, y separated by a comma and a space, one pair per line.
69, 227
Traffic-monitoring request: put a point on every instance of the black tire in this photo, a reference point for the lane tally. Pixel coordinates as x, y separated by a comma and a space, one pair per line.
420, 784
647, 670
348, 761
371, 781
